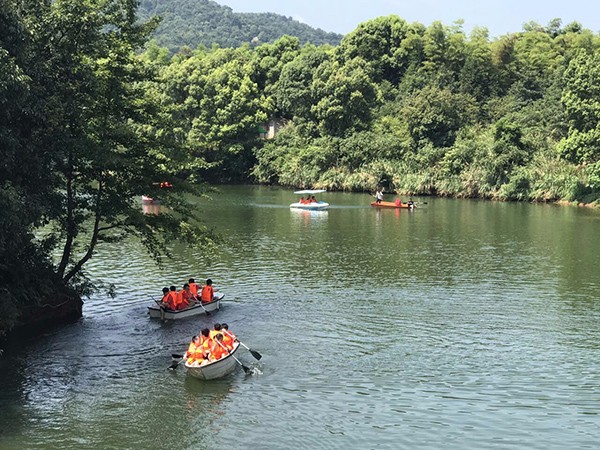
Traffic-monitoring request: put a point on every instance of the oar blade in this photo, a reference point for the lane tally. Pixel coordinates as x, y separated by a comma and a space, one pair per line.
247, 369
255, 354
175, 355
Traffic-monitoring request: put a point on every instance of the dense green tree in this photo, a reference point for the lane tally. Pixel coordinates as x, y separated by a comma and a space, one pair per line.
346, 95
84, 140
581, 98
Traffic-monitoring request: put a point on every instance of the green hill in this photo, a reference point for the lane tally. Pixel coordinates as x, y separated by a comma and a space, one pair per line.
194, 22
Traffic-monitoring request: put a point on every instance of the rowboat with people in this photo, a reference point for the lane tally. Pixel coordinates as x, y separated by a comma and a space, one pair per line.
397, 205
310, 203
215, 369
160, 312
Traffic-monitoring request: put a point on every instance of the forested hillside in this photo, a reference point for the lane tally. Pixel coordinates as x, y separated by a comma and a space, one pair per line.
194, 22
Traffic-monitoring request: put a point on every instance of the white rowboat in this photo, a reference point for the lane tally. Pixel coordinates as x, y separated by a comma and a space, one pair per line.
215, 369
155, 310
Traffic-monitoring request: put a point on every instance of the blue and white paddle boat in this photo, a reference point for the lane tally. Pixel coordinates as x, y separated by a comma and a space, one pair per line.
314, 206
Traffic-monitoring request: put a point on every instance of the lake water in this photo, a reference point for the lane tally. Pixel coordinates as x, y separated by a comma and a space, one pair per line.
460, 325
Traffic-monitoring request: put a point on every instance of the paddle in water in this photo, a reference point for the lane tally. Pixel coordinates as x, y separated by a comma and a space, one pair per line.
248, 370
174, 365
254, 353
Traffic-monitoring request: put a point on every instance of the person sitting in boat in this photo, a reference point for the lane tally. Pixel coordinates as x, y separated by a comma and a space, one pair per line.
218, 349
193, 287
313, 199
208, 293
216, 330
186, 298
194, 351
167, 300
301, 201
410, 203
205, 342
228, 336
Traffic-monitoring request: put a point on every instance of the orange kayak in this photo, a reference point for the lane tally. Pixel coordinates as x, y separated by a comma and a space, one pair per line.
393, 205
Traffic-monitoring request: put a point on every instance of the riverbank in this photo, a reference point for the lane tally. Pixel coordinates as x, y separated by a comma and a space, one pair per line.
48, 314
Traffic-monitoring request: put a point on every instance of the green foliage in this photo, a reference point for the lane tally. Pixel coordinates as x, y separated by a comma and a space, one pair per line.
193, 23
581, 98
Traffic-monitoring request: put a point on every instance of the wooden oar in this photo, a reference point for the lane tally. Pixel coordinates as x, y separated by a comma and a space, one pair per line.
246, 369
161, 307
252, 352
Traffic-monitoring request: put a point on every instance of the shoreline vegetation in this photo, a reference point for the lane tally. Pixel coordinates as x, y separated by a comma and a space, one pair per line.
94, 114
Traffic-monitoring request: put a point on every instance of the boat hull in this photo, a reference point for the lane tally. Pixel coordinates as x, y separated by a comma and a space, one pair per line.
318, 206
194, 310
392, 205
215, 369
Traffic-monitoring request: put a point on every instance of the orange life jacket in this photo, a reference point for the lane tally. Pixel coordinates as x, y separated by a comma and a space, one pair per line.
207, 294
228, 340
194, 289
192, 352
218, 351
170, 300
184, 297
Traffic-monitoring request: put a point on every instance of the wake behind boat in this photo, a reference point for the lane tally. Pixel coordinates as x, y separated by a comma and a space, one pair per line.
308, 204
158, 312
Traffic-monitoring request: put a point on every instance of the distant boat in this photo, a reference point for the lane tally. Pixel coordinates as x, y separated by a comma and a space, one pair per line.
314, 206
193, 310
393, 205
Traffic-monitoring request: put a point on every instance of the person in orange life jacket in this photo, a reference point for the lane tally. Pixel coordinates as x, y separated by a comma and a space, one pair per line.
301, 200
194, 350
313, 199
175, 295
185, 297
205, 342
398, 201
167, 299
208, 293
216, 330
228, 336
193, 287
218, 350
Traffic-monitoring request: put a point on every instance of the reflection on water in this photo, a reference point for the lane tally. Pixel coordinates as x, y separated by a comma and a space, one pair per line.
462, 324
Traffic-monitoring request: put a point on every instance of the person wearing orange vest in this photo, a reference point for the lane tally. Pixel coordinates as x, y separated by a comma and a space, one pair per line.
175, 296
193, 287
218, 349
185, 297
228, 336
194, 351
216, 330
168, 301
208, 293
205, 342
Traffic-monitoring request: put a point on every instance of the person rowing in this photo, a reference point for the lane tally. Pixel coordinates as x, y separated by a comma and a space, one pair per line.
379, 196
168, 301
194, 288
208, 293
